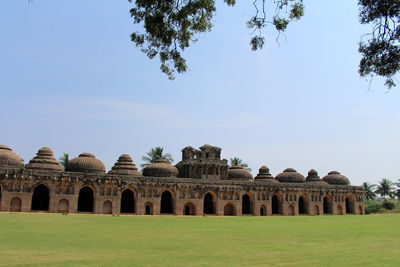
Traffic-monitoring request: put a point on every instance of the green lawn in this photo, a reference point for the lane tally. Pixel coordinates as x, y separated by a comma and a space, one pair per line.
53, 239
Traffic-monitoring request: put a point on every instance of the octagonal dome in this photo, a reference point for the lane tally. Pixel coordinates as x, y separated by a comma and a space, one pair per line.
290, 176
264, 175
86, 162
125, 166
335, 178
44, 160
239, 173
161, 168
8, 158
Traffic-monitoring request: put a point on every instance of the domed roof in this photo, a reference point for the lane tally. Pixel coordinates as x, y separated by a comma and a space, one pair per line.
336, 178
239, 173
313, 177
44, 160
290, 176
8, 158
161, 168
263, 174
86, 162
125, 166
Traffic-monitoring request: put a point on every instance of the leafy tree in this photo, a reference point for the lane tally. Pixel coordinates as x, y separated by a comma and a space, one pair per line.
385, 188
64, 159
155, 154
170, 26
369, 191
238, 162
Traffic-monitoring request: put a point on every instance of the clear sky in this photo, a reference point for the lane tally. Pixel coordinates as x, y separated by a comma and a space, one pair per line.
71, 79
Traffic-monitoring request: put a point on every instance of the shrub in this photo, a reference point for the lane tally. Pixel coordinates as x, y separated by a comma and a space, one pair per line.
373, 207
388, 204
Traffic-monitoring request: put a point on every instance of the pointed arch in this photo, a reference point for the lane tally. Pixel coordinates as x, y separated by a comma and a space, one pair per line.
291, 210
339, 210
40, 198
148, 208
263, 210
316, 210
189, 208
167, 205
107, 207
230, 209
276, 204
327, 203
349, 204
247, 203
86, 199
128, 201
210, 203
15, 204
303, 204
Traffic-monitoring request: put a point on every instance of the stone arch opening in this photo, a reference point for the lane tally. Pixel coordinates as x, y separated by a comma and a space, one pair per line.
40, 198
127, 201
276, 204
327, 204
247, 204
349, 204
263, 211
107, 207
63, 206
148, 208
189, 209
303, 206
360, 211
209, 204
15, 204
86, 199
167, 204
291, 210
229, 210
339, 210
316, 210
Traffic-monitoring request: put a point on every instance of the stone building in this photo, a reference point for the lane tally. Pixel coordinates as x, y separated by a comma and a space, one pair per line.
201, 184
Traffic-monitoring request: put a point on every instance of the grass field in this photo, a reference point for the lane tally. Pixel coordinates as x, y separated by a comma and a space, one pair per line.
53, 239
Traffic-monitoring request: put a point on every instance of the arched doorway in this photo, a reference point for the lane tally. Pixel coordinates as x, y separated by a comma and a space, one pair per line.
291, 210
167, 205
327, 205
107, 207
127, 201
229, 210
15, 204
148, 208
86, 200
339, 210
303, 208
276, 204
40, 198
189, 209
360, 211
316, 210
349, 205
263, 211
63, 206
209, 204
247, 204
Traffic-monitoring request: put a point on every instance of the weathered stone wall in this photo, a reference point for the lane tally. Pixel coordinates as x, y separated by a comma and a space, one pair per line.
187, 195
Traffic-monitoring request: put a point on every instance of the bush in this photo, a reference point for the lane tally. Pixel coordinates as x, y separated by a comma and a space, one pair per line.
373, 207
388, 204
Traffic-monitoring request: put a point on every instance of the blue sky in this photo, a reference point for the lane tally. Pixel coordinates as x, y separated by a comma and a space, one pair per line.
71, 79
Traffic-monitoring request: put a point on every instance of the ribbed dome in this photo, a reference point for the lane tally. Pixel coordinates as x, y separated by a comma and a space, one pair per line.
313, 177
239, 173
44, 160
161, 168
8, 158
336, 178
290, 176
125, 166
263, 174
86, 162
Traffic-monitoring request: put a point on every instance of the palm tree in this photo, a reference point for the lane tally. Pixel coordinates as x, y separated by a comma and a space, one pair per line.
238, 162
369, 191
385, 188
155, 154
64, 160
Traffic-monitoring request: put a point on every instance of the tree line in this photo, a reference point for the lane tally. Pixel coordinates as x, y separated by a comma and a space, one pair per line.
382, 196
